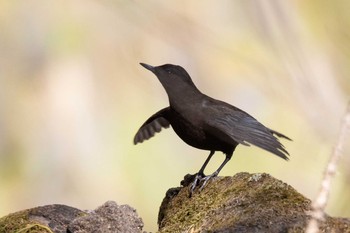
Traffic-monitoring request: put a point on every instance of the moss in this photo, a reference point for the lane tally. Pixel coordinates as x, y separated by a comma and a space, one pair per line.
245, 202
14, 222
31, 228
19, 223
50, 218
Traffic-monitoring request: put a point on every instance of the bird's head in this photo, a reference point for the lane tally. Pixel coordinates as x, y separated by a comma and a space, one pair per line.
171, 76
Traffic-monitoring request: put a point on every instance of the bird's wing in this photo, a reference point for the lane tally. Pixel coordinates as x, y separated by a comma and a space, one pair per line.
233, 124
153, 125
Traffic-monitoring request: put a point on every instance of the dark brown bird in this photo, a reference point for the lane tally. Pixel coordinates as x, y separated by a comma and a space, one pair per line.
205, 123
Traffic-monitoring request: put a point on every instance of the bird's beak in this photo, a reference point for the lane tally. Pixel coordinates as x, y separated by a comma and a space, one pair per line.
148, 67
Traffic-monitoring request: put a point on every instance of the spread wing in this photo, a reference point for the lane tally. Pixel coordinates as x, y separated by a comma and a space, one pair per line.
153, 125
234, 124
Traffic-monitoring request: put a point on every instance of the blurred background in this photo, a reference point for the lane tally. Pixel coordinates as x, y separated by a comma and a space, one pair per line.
72, 95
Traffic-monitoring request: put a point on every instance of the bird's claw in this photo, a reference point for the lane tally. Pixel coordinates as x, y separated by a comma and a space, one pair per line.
196, 182
206, 179
201, 178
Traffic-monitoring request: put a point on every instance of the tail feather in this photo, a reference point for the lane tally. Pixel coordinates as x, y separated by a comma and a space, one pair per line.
280, 135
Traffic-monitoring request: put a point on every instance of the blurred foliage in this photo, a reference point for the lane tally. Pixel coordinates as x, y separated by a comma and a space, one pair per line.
72, 94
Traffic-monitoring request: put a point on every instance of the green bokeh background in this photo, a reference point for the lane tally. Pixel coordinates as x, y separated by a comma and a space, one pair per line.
72, 95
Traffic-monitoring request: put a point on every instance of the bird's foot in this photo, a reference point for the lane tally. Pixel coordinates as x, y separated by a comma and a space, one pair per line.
206, 179
198, 178
201, 178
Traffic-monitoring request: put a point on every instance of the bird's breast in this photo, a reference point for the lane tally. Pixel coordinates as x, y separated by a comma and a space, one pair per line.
190, 128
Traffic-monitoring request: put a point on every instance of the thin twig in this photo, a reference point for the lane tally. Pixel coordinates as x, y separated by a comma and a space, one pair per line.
320, 202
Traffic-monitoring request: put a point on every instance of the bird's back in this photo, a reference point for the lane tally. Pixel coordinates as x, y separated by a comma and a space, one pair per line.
230, 124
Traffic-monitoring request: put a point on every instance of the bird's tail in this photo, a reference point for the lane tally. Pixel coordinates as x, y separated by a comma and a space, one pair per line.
279, 134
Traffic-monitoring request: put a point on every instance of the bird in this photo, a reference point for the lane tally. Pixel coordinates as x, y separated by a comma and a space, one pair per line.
204, 122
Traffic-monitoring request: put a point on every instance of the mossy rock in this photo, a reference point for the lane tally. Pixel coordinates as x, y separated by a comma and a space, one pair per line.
51, 218
242, 203
107, 218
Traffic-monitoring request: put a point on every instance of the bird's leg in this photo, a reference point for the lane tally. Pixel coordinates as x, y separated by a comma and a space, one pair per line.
201, 171
207, 178
200, 175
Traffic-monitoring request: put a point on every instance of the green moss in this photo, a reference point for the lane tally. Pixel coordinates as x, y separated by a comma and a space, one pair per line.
246, 198
31, 228
14, 222
19, 223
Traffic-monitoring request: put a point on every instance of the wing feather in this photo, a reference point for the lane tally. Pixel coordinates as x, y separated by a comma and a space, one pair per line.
153, 125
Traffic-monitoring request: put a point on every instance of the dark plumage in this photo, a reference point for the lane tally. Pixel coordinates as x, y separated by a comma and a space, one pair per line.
204, 122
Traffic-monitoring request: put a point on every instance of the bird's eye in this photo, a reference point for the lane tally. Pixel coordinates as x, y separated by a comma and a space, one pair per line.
168, 71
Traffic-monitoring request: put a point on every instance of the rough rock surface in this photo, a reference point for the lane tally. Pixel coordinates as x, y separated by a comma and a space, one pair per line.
110, 217
107, 219
242, 203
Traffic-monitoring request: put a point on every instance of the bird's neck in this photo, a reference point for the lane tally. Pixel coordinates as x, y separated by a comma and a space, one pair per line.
180, 97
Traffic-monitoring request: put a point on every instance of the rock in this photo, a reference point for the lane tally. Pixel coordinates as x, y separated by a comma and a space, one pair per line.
107, 219
110, 217
242, 203
50, 218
